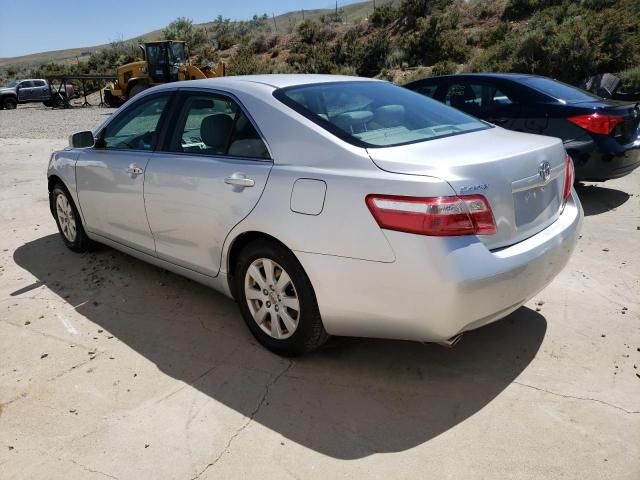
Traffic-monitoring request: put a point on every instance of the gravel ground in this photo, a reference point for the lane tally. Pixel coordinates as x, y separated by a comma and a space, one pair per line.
113, 368
34, 120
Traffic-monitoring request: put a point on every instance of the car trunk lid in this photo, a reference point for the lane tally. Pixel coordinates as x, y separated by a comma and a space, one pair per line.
522, 176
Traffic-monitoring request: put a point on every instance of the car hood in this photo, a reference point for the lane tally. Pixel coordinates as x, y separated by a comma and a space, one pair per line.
7, 89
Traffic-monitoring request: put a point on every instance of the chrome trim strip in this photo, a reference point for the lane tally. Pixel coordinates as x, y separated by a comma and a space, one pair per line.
535, 180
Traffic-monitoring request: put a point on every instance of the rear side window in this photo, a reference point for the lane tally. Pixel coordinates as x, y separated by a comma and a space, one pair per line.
558, 90
135, 128
38, 83
210, 124
376, 114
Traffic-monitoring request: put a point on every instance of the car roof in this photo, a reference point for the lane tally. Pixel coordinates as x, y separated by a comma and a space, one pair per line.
272, 80
506, 76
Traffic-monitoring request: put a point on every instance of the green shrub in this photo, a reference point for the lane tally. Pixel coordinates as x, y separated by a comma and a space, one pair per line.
444, 68
383, 15
435, 39
308, 31
630, 80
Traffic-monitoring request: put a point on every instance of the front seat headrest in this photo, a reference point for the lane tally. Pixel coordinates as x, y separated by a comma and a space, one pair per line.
215, 131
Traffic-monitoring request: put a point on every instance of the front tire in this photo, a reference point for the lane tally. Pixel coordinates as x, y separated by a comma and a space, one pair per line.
277, 300
68, 220
9, 103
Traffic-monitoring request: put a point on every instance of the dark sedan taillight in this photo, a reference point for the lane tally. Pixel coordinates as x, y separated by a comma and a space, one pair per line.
597, 123
434, 216
569, 177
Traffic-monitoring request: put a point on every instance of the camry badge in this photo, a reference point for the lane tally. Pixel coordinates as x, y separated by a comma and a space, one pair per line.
473, 188
544, 170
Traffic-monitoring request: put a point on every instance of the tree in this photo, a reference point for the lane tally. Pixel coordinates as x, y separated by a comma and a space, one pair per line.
183, 28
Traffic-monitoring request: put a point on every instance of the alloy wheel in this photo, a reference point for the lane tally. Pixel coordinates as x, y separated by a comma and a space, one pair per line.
272, 298
66, 218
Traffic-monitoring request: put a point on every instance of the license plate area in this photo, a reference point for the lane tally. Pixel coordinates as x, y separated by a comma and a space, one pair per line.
536, 205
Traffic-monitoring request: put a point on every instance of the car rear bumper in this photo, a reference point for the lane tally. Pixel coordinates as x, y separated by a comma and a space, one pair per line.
438, 286
593, 164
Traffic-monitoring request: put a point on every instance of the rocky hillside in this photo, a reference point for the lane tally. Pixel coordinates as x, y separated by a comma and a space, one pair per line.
403, 39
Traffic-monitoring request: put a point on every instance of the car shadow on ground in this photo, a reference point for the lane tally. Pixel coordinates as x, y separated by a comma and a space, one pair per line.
354, 398
597, 199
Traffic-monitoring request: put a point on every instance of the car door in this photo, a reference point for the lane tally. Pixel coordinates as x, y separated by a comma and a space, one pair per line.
40, 90
110, 176
25, 91
210, 175
500, 104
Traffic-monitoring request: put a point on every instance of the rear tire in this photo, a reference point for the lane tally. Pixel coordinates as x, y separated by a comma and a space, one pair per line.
68, 220
9, 103
276, 299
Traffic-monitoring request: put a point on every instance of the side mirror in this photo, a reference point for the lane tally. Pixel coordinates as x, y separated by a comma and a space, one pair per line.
81, 140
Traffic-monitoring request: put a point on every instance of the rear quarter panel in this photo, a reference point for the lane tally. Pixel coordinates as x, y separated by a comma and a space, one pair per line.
303, 150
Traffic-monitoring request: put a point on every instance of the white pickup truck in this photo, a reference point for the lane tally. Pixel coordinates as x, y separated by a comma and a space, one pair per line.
31, 90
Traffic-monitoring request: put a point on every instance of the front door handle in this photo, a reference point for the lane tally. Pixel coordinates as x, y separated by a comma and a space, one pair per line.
239, 180
133, 170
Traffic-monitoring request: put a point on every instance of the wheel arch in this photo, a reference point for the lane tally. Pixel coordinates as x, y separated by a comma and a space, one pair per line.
52, 181
236, 246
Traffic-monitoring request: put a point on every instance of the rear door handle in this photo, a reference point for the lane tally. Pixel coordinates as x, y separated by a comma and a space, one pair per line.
239, 180
133, 170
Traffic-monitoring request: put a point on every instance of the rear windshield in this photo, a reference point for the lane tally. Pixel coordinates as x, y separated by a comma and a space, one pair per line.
376, 114
558, 90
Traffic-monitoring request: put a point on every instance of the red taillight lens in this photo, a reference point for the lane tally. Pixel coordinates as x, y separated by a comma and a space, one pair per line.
435, 216
569, 177
597, 123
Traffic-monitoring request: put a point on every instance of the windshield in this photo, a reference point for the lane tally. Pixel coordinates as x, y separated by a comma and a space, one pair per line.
177, 53
11, 84
558, 90
376, 114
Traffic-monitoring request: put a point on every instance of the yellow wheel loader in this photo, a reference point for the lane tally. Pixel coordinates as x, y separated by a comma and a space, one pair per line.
163, 62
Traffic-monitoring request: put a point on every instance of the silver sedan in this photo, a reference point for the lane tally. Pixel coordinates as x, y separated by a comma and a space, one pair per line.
324, 205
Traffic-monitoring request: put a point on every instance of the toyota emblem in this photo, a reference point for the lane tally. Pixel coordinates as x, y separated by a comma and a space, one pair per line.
544, 170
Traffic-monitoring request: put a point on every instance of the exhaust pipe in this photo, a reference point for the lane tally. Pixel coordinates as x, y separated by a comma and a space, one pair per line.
450, 343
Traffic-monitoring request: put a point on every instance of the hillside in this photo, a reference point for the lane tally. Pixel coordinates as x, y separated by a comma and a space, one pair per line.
284, 23
404, 39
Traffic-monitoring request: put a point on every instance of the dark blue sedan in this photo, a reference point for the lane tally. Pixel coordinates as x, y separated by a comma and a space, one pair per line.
602, 136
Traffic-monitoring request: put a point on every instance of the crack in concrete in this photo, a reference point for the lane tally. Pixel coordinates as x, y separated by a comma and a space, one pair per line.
586, 399
91, 470
253, 414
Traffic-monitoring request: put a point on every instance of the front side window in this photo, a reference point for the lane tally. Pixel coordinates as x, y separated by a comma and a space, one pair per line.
135, 128
376, 114
210, 124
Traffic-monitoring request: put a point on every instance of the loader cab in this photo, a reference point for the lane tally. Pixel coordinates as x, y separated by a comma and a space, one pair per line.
164, 60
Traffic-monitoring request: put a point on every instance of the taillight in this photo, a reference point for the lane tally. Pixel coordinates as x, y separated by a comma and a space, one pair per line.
435, 216
597, 123
569, 177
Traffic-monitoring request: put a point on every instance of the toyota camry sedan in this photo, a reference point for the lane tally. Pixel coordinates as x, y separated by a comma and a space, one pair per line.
324, 205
